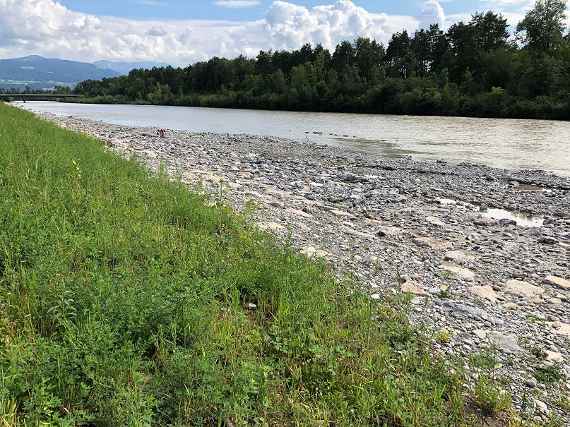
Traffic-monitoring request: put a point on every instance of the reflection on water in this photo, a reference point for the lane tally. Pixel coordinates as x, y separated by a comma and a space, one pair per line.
522, 219
514, 144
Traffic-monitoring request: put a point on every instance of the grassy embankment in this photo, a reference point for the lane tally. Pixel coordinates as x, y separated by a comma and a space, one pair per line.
125, 299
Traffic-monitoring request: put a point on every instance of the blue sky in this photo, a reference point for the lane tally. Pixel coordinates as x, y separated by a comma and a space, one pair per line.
182, 32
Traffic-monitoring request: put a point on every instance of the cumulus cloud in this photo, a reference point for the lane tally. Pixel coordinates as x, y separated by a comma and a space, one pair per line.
49, 28
432, 13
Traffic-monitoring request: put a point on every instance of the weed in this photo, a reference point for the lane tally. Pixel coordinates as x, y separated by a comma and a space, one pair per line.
490, 398
549, 374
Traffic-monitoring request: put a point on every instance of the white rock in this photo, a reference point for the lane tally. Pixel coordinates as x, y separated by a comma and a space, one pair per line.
459, 257
411, 287
523, 289
558, 281
484, 292
432, 243
460, 272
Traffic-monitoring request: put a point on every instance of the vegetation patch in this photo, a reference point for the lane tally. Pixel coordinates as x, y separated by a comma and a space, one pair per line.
125, 299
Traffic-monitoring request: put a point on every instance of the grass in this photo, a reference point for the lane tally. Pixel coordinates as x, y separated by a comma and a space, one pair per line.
127, 300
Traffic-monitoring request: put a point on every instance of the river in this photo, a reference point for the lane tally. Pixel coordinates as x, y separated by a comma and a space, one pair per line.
510, 144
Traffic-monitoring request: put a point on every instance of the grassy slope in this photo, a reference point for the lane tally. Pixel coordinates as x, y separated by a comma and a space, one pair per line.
123, 301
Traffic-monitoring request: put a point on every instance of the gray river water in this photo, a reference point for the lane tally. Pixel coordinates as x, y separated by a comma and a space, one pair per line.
511, 144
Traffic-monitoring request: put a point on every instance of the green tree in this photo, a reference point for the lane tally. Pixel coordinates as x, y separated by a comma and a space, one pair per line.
542, 28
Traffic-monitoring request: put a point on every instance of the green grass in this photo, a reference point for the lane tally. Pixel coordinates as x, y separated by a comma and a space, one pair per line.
125, 301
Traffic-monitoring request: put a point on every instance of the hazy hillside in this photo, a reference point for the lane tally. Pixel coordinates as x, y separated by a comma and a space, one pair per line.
43, 73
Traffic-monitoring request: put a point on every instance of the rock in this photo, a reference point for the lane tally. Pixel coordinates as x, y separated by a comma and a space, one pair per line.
386, 231
541, 406
505, 343
411, 287
271, 226
558, 281
561, 328
523, 289
459, 257
484, 292
433, 243
484, 222
312, 252
460, 272
554, 356
547, 240
435, 221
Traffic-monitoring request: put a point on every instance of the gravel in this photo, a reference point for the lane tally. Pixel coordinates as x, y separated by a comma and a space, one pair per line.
483, 252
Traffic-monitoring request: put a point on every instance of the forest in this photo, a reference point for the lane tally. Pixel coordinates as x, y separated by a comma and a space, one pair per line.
481, 68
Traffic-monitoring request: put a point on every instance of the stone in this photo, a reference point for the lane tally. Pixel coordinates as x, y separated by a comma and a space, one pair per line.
554, 356
484, 292
432, 243
387, 231
523, 289
561, 328
271, 226
484, 222
312, 252
460, 272
505, 343
541, 406
558, 282
547, 240
411, 287
435, 221
459, 257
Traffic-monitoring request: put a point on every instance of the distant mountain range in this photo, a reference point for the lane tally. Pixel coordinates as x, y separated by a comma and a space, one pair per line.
38, 72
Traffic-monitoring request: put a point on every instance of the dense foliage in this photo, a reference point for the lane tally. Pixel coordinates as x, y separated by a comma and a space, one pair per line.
475, 69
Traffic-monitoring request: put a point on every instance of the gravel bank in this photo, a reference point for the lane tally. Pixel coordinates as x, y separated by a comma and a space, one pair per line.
484, 252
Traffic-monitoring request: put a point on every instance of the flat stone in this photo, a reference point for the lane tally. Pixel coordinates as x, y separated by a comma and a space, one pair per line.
561, 328
554, 356
387, 231
312, 252
558, 281
484, 222
484, 292
459, 257
411, 287
506, 343
460, 272
271, 226
433, 243
523, 289
435, 221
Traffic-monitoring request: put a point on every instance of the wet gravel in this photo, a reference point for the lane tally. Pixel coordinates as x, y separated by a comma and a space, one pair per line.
484, 252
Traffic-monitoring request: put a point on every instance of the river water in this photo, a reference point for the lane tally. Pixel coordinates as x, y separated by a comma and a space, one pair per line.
511, 144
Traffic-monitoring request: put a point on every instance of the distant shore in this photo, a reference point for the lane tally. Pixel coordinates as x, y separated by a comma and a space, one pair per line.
484, 252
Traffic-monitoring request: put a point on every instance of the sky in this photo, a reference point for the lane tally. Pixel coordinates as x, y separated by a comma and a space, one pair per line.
181, 32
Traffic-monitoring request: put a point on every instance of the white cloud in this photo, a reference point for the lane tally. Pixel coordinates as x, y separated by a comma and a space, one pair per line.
48, 28
432, 13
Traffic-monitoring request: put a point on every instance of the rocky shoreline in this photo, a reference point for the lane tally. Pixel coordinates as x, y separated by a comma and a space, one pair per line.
484, 252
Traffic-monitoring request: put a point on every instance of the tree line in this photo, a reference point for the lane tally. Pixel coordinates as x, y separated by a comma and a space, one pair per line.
475, 68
